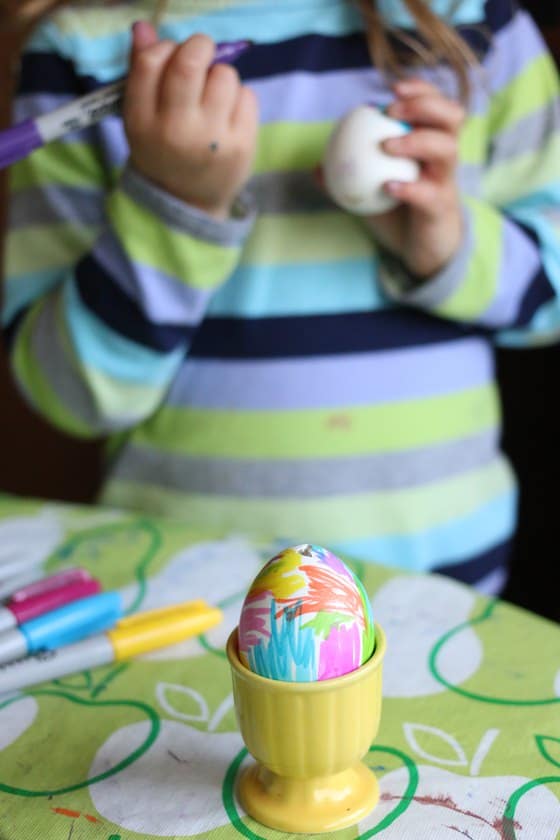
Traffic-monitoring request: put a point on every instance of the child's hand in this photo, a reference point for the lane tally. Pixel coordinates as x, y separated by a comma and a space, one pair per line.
191, 127
425, 230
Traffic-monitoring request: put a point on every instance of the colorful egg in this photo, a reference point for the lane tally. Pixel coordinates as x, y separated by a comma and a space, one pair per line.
306, 617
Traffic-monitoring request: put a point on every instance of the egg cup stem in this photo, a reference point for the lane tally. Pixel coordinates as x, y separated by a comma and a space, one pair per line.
308, 806
308, 740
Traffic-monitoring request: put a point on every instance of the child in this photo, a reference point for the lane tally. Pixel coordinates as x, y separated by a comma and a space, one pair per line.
260, 360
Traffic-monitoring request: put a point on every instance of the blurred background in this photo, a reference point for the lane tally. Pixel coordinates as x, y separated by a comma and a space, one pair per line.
37, 461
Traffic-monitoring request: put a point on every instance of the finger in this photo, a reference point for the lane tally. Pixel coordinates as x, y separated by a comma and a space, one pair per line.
426, 145
221, 91
142, 84
430, 110
143, 35
406, 88
422, 194
185, 75
245, 115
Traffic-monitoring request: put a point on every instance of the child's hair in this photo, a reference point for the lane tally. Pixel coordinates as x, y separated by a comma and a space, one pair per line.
438, 42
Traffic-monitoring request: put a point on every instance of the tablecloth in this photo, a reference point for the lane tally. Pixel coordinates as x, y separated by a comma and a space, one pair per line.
469, 743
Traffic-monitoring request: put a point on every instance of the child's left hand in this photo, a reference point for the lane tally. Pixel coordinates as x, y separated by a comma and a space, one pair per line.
425, 230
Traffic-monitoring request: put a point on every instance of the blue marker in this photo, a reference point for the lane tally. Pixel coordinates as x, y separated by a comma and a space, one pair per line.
20, 140
70, 623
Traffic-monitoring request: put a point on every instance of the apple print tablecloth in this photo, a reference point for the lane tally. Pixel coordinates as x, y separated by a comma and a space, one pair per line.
469, 744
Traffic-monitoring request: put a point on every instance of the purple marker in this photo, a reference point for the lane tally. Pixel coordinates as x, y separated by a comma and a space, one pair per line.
20, 140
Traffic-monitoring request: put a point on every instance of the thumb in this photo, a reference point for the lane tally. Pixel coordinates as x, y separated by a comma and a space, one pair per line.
143, 35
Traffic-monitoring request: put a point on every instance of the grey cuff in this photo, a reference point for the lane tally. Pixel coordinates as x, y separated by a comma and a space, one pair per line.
427, 292
188, 219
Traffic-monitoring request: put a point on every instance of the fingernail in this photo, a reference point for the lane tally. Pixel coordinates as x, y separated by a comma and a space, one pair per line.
404, 87
393, 187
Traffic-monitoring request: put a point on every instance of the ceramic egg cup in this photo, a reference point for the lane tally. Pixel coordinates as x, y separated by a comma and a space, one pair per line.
308, 739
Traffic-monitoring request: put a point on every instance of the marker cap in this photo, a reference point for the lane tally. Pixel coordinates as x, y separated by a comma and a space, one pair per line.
45, 602
147, 631
73, 621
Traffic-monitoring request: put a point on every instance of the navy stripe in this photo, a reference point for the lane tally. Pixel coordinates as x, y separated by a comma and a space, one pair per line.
10, 331
498, 13
48, 73
315, 335
111, 305
309, 53
540, 290
477, 568
45, 72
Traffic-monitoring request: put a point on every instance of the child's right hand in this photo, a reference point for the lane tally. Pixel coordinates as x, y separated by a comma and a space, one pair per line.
191, 127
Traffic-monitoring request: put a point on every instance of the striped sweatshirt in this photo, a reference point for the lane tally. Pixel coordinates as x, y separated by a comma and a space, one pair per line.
275, 374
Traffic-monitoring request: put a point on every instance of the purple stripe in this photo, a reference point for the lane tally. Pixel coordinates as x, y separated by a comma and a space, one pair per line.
515, 46
163, 298
311, 97
322, 382
519, 265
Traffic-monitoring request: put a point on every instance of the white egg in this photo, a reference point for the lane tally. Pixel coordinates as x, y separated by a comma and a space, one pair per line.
355, 167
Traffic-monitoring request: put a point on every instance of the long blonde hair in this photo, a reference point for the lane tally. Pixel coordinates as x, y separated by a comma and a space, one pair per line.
391, 49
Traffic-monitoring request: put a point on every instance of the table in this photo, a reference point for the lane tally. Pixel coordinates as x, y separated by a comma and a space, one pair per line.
469, 744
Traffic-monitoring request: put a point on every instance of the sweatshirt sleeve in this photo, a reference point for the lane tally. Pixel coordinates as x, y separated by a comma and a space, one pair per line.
505, 278
106, 276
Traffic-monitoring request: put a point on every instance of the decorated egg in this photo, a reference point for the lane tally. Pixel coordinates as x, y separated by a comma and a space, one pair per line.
355, 167
306, 617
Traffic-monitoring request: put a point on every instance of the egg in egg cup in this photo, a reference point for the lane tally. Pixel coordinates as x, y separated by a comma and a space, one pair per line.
308, 740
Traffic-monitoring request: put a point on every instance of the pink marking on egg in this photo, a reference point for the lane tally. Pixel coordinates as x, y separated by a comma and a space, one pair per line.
346, 167
341, 652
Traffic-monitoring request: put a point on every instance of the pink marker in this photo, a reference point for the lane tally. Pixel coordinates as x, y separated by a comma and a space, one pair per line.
46, 584
34, 606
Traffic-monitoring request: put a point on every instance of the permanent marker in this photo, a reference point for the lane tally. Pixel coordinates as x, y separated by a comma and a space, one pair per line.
62, 626
20, 612
75, 574
23, 138
138, 634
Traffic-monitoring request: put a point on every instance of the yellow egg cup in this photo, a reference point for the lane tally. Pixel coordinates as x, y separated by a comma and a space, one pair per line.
308, 739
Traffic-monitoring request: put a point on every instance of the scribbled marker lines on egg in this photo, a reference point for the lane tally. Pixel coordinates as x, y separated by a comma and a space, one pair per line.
306, 617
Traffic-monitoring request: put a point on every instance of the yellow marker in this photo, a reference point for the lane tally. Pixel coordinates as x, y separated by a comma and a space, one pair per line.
139, 633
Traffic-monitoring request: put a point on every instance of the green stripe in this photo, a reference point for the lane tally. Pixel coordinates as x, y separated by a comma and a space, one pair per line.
117, 398
325, 520
534, 88
324, 432
518, 177
291, 146
70, 164
478, 288
44, 247
149, 241
307, 237
29, 374
473, 140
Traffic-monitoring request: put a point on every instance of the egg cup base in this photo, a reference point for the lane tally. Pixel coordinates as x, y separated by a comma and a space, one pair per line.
308, 806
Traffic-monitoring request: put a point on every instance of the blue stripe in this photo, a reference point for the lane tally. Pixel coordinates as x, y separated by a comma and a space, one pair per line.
315, 335
21, 291
255, 291
465, 12
453, 542
113, 307
99, 347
